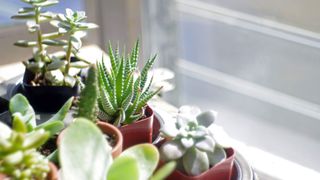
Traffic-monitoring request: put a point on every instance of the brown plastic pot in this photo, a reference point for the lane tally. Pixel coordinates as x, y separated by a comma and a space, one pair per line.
109, 130
53, 174
221, 171
139, 131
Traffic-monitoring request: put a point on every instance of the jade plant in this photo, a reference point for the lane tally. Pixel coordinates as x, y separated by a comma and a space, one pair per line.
53, 69
123, 90
21, 109
84, 154
18, 156
191, 142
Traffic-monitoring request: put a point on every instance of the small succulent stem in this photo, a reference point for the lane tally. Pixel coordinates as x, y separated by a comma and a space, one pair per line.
39, 33
68, 57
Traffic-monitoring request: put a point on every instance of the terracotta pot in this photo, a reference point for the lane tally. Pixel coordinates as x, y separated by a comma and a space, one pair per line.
221, 171
138, 132
111, 130
107, 129
53, 174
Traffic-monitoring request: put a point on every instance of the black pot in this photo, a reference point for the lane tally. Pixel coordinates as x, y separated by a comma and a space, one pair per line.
46, 99
4, 112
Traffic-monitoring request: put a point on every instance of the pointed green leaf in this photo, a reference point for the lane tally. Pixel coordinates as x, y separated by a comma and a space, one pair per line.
145, 70
46, 3
53, 127
55, 42
23, 16
25, 10
35, 139
24, 43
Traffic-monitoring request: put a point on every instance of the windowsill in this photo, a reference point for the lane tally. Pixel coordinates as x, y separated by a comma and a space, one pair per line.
267, 166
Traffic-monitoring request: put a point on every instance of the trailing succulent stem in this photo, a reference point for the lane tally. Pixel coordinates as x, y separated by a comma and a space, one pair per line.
191, 141
88, 96
124, 92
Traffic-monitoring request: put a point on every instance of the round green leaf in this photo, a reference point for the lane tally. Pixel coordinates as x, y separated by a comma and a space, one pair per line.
147, 157
124, 167
83, 152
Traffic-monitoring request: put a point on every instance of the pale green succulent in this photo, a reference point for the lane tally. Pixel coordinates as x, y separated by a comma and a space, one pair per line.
124, 91
191, 142
19, 159
53, 69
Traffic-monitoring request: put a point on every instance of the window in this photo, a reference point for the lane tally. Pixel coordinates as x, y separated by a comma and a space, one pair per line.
256, 62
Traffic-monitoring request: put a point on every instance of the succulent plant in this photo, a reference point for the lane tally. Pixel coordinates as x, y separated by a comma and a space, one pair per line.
73, 26
191, 142
84, 154
18, 156
123, 91
87, 106
53, 69
21, 109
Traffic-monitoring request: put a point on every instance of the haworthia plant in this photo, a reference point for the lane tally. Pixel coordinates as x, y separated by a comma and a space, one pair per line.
191, 141
84, 154
53, 69
124, 91
18, 156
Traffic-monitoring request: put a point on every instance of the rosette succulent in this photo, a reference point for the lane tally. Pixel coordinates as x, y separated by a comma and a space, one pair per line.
124, 91
18, 156
191, 141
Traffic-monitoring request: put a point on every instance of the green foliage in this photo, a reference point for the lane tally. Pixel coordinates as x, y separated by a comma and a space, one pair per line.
88, 97
191, 141
84, 154
18, 156
21, 110
49, 69
124, 92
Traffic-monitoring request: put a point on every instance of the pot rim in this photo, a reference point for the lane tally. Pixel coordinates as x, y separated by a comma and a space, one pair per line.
115, 131
231, 157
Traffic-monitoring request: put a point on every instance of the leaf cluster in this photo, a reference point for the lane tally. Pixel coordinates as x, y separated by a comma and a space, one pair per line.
124, 91
21, 110
191, 143
83, 144
52, 69
18, 156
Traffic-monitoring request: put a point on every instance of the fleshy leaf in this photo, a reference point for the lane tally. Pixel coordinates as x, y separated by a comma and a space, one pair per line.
172, 150
195, 162
92, 160
207, 144
206, 118
147, 157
